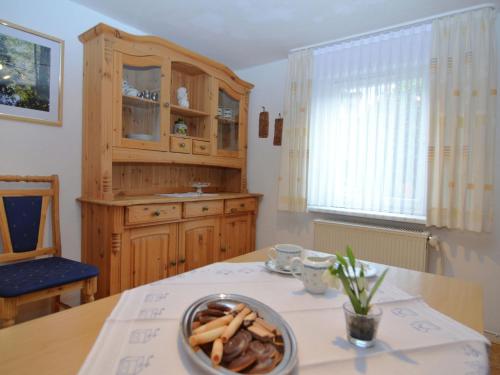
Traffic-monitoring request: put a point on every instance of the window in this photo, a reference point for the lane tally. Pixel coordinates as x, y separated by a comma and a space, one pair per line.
369, 124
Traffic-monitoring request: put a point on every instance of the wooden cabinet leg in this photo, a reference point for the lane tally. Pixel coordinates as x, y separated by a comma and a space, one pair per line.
89, 289
8, 311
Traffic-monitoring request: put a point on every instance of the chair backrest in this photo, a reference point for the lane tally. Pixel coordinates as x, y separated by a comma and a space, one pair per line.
23, 213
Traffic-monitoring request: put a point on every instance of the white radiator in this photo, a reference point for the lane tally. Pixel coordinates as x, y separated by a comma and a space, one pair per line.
395, 247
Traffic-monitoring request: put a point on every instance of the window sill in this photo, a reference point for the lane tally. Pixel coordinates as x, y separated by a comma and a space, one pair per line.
370, 215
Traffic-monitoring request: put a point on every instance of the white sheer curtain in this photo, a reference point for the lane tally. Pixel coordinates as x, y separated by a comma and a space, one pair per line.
369, 123
462, 123
294, 151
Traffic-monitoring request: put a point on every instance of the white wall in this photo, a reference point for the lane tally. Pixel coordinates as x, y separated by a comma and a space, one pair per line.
468, 256
39, 149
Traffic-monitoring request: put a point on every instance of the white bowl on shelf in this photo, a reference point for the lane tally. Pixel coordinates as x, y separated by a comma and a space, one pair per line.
141, 136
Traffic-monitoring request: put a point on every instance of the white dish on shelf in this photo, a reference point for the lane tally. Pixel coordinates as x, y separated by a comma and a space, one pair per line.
141, 136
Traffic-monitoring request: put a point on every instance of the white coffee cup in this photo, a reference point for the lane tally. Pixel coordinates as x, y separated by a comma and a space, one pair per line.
310, 271
281, 254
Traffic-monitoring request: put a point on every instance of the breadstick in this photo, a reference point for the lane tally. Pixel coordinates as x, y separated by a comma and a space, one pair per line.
219, 322
239, 307
234, 325
205, 337
195, 324
250, 317
260, 332
216, 352
270, 327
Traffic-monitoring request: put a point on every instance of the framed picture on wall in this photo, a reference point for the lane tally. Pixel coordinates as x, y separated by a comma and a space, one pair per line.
31, 75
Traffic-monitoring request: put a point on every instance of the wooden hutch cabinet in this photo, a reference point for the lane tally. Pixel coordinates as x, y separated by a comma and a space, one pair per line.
145, 146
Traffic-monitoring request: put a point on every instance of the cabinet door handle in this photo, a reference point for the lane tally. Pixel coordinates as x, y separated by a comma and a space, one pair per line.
242, 205
157, 213
182, 145
204, 208
182, 261
166, 104
234, 209
173, 263
223, 249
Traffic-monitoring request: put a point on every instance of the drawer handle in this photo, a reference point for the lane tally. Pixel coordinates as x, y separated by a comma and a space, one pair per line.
182, 261
157, 213
182, 145
223, 249
204, 208
242, 205
203, 147
234, 209
173, 263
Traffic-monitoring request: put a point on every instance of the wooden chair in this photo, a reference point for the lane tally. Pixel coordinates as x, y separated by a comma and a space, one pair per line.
23, 214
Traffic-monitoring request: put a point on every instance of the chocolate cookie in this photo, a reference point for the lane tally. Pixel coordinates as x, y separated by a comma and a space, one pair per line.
236, 345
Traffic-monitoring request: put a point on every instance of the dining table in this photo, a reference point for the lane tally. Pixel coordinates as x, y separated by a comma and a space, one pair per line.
59, 343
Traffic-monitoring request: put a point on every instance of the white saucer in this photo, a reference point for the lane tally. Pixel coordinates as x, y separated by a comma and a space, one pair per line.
370, 271
271, 266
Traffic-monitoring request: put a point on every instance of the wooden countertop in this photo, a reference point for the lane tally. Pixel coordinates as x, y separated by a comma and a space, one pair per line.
59, 343
154, 198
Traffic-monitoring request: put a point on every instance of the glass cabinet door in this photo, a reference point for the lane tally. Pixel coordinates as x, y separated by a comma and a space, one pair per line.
144, 118
228, 122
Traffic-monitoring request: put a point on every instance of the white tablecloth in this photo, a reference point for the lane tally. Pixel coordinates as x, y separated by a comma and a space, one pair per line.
141, 336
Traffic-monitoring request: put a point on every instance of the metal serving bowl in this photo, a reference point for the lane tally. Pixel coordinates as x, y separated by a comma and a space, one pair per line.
289, 359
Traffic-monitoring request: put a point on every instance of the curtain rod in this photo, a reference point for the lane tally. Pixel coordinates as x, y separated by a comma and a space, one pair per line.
395, 27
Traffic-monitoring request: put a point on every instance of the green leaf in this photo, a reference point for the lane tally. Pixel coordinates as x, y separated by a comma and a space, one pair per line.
352, 297
350, 256
344, 268
376, 286
341, 260
333, 270
349, 290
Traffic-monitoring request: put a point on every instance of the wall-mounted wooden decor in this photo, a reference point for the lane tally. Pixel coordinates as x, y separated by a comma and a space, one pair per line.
263, 123
278, 130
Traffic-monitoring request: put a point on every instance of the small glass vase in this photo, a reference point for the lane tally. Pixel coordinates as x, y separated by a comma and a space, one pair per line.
362, 329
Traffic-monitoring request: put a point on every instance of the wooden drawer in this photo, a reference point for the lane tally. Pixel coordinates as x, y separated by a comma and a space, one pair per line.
150, 213
201, 147
182, 145
206, 208
240, 205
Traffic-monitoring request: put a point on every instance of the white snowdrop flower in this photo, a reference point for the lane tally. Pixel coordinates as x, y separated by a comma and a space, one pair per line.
331, 280
363, 298
363, 284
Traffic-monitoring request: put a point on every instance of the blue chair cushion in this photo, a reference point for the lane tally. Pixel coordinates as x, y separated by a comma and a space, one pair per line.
23, 219
30, 276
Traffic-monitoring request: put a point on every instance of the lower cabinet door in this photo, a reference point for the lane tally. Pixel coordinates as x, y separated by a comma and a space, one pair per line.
198, 242
151, 255
236, 236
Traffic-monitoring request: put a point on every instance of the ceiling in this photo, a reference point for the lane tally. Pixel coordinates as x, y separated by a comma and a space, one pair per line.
242, 33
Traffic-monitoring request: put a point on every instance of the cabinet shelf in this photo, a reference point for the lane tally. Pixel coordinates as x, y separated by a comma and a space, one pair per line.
190, 137
188, 112
223, 120
136, 101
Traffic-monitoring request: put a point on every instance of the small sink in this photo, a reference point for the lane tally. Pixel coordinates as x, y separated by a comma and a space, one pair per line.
191, 194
